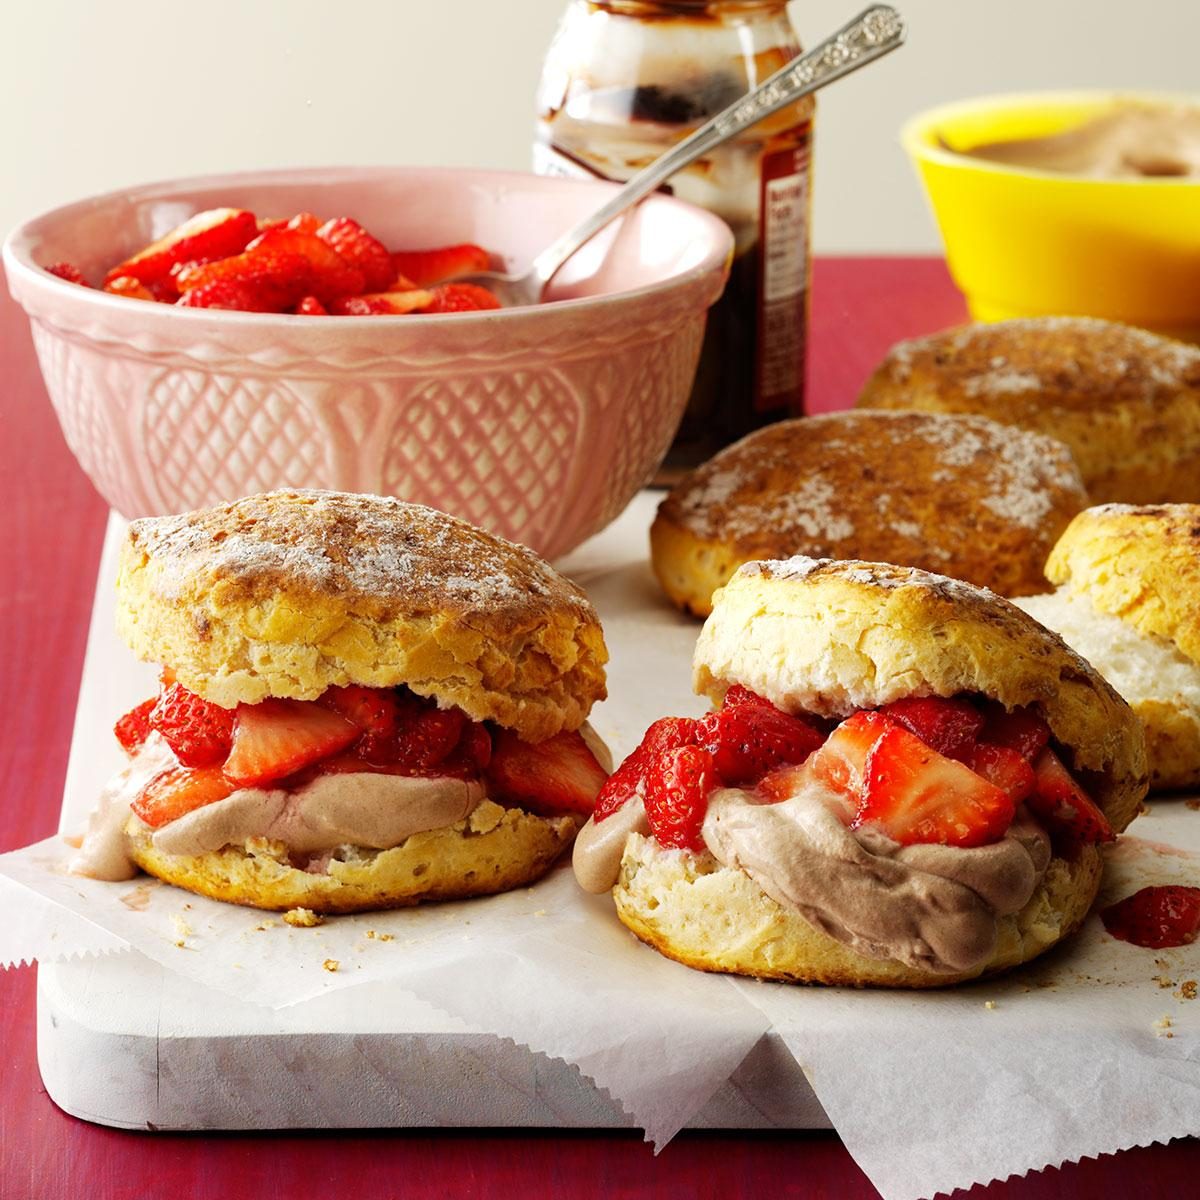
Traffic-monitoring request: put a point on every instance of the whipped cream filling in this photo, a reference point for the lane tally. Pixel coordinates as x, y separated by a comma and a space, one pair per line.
368, 809
931, 907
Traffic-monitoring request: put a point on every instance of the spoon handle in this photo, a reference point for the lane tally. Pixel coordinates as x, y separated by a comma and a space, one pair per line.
876, 31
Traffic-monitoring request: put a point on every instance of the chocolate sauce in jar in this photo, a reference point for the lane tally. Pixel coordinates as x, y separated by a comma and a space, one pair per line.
623, 81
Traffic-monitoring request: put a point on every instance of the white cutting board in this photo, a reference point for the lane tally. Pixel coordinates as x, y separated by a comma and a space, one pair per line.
123, 1042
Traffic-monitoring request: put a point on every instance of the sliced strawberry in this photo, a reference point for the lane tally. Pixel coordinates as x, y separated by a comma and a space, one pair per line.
950, 726
199, 731
739, 695
748, 740
134, 727
554, 776
628, 780
460, 297
360, 249
214, 234
443, 262
840, 763
275, 738
330, 277
425, 737
305, 222
310, 306
129, 287
272, 280
373, 710
179, 791
230, 294
68, 271
1006, 768
475, 747
1063, 806
914, 794
1022, 730
678, 784
1156, 917
380, 304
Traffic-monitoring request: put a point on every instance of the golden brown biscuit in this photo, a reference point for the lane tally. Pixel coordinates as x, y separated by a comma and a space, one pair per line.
292, 592
1129, 602
829, 638
1127, 402
960, 495
494, 850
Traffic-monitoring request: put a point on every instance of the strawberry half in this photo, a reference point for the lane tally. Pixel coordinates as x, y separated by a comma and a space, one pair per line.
268, 280
134, 727
1021, 730
424, 737
179, 791
373, 710
443, 262
330, 277
198, 731
748, 740
381, 304
914, 794
628, 780
360, 249
217, 233
558, 775
68, 272
1006, 768
1156, 917
949, 725
461, 297
678, 784
840, 763
1063, 806
275, 738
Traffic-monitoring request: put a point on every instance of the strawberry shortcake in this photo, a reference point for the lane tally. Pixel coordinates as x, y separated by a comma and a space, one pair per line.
364, 704
906, 782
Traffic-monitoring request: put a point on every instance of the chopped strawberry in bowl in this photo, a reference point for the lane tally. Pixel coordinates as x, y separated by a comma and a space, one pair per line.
305, 328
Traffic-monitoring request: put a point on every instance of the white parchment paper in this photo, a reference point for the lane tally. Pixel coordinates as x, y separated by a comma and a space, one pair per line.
1093, 1049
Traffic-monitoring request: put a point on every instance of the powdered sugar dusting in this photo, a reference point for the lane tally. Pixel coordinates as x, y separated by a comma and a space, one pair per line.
1003, 383
346, 545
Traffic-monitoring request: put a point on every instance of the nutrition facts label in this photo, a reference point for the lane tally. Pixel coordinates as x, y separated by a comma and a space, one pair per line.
785, 207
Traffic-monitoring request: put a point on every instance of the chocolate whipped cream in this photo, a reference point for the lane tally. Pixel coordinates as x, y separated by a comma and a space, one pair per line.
931, 907
358, 809
1130, 141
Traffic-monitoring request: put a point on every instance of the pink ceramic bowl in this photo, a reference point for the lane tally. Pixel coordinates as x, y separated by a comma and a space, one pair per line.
539, 423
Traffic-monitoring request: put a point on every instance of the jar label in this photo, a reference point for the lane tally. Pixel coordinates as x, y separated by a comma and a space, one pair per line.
783, 279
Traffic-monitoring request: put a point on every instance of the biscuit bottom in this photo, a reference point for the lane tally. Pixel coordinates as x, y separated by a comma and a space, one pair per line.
494, 850
714, 918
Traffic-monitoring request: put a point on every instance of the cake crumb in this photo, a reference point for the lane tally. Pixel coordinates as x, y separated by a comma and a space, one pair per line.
989, 1004
262, 926
1187, 990
1164, 981
302, 918
1194, 805
1163, 1026
387, 937
541, 912
183, 930
331, 965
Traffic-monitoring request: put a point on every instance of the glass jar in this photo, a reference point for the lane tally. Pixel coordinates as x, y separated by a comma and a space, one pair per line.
624, 80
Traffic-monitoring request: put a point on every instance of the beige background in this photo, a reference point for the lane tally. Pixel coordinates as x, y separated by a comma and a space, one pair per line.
96, 94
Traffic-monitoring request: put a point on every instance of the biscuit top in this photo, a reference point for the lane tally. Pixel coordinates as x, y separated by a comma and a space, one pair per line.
1139, 563
962, 495
1011, 368
828, 638
290, 592
374, 552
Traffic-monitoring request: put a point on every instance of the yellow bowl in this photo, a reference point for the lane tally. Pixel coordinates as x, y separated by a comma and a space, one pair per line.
1025, 242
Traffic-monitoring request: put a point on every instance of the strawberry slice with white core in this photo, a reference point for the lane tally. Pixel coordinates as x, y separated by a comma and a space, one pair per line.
839, 764
558, 775
178, 791
1063, 806
275, 738
914, 794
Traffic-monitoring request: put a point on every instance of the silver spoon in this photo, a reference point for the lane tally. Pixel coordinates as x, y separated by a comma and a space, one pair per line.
876, 31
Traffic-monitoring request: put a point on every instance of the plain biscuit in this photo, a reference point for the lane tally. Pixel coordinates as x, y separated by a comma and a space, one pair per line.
961, 495
1127, 402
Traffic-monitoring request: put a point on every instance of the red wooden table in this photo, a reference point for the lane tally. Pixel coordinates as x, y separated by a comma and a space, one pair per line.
51, 524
